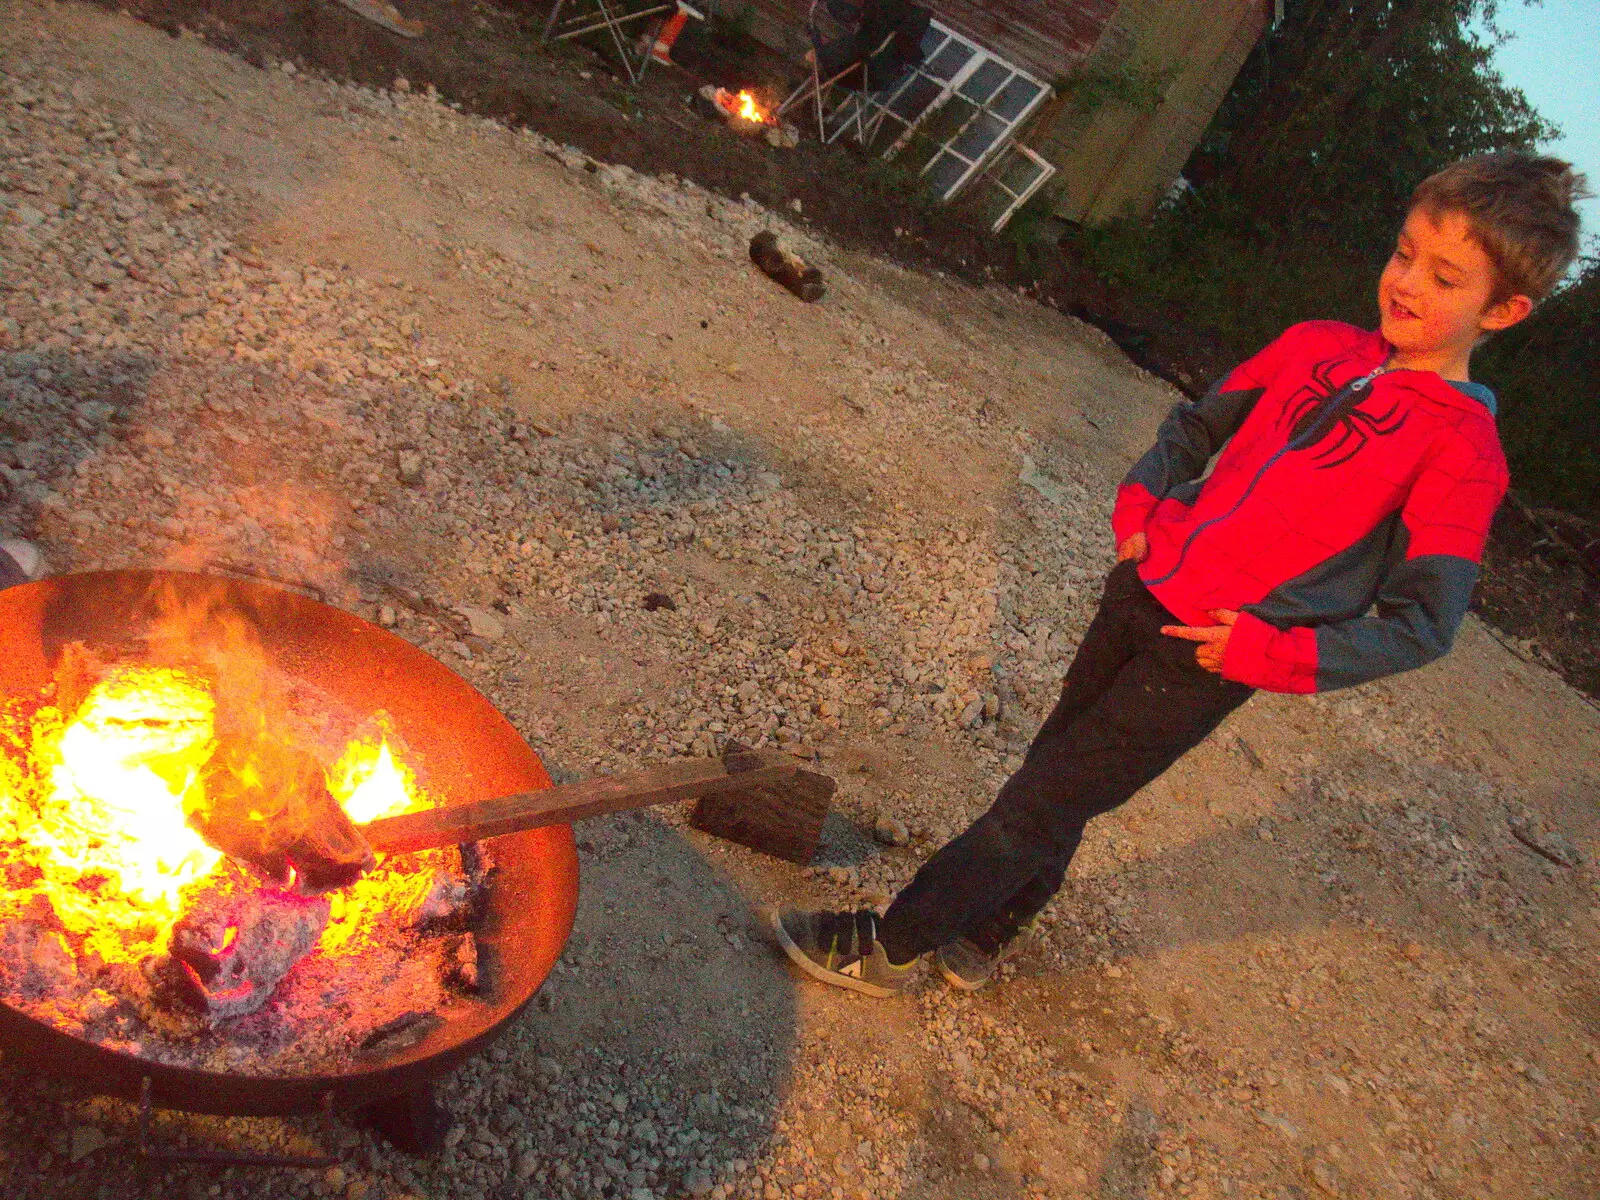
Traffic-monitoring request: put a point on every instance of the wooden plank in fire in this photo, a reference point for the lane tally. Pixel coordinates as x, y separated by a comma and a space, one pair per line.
571, 802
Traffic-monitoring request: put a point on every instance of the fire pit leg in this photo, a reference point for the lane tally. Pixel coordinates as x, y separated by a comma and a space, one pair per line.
413, 1122
222, 1158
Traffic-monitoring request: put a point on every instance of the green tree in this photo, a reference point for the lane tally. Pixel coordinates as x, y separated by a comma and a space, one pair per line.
1547, 373
1349, 103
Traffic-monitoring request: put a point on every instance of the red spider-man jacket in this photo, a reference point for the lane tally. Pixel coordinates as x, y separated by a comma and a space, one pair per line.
1345, 517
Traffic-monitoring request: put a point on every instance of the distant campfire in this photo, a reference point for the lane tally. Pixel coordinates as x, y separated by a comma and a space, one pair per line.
744, 112
742, 107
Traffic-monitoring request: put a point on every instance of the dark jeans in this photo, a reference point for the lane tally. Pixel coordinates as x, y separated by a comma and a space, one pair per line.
1134, 701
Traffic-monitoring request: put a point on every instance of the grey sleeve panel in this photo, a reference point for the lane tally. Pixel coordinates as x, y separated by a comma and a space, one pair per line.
1188, 438
1341, 587
1419, 608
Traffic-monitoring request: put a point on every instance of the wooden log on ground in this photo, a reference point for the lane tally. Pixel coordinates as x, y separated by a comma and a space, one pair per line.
786, 267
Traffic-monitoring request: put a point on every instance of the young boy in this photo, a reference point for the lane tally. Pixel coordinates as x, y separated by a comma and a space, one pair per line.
1336, 540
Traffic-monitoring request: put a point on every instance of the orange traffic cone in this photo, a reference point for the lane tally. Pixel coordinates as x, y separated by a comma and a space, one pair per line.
670, 29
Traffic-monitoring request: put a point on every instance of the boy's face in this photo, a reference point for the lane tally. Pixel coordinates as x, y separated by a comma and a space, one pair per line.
1435, 294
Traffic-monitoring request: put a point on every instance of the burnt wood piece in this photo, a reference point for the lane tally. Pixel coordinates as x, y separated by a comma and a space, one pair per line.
456, 902
233, 955
462, 968
689, 780
267, 804
705, 103
446, 907
782, 819
477, 860
786, 268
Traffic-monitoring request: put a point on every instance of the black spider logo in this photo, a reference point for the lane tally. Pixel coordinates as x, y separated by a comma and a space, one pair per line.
1319, 409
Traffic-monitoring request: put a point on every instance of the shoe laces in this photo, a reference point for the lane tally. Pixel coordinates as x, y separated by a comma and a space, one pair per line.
852, 933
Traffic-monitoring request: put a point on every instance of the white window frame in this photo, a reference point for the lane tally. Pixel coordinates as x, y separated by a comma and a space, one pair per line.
978, 56
1047, 170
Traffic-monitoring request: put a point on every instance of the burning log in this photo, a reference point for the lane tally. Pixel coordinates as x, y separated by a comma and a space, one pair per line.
740, 110
233, 955
268, 805
786, 267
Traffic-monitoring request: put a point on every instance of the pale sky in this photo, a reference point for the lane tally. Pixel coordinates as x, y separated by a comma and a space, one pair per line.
1555, 60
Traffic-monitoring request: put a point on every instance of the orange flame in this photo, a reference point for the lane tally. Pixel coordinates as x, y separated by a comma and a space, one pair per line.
101, 790
369, 782
743, 106
748, 109
100, 799
93, 807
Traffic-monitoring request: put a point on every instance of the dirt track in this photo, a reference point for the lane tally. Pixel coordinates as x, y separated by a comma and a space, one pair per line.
1312, 960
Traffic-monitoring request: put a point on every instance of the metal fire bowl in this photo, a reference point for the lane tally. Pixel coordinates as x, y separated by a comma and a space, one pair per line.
462, 746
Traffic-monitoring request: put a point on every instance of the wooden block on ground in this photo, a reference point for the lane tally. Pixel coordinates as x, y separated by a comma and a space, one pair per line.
782, 819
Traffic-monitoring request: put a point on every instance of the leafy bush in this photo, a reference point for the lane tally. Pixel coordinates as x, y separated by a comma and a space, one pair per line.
1229, 276
1033, 230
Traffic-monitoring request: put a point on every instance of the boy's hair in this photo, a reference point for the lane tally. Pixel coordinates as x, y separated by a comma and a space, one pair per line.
1520, 208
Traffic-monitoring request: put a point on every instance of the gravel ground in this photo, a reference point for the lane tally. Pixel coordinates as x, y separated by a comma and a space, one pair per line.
349, 337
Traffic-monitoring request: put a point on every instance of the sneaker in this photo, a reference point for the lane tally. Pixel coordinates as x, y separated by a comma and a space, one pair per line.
969, 965
840, 948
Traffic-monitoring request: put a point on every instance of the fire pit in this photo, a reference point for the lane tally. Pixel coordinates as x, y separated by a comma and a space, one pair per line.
99, 648
745, 113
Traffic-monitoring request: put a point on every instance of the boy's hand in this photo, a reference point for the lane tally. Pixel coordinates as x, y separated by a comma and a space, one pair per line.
1213, 639
1136, 547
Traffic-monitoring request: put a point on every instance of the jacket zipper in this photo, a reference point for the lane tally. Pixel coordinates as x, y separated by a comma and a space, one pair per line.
1313, 434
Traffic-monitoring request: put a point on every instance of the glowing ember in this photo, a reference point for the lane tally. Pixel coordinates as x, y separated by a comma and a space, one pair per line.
101, 803
120, 922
